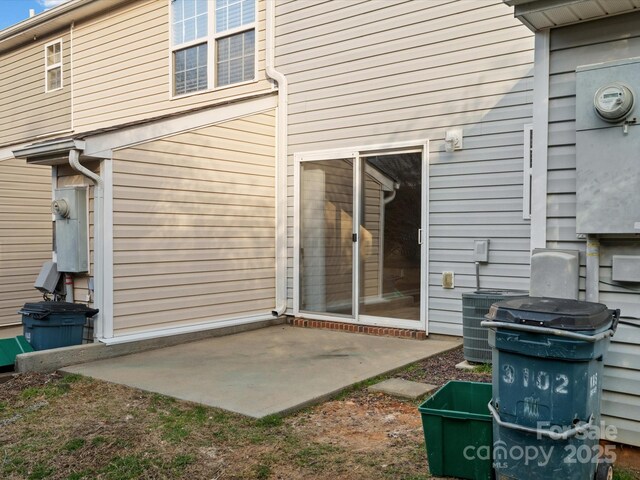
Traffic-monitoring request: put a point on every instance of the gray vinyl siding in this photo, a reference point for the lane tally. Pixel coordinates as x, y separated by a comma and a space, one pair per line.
593, 42
380, 71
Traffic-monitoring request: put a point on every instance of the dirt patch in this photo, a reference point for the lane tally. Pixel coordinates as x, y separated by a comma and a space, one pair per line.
440, 369
362, 423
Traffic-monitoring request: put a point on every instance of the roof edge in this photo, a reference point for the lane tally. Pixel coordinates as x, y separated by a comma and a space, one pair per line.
51, 152
40, 18
51, 20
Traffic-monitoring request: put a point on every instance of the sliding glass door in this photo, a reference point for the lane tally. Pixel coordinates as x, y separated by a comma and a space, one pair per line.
326, 238
390, 236
361, 254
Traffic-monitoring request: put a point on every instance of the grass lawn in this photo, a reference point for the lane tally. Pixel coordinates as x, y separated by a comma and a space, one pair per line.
78, 428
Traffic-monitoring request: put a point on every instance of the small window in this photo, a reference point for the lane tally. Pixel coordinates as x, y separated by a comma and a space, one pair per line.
53, 66
213, 43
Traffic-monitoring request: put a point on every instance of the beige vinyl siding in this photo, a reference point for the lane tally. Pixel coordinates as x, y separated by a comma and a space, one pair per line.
25, 234
122, 70
370, 239
26, 111
194, 226
583, 44
364, 73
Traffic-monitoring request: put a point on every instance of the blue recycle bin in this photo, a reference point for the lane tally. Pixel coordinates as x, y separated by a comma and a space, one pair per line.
54, 324
547, 385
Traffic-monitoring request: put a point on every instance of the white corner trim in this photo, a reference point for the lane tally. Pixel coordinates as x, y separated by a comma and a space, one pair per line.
102, 145
107, 249
426, 242
71, 28
540, 141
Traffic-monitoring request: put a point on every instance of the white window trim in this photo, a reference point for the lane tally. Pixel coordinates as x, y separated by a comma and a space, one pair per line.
48, 67
527, 169
540, 141
211, 41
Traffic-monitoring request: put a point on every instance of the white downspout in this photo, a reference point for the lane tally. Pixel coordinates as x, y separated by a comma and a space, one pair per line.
281, 163
98, 260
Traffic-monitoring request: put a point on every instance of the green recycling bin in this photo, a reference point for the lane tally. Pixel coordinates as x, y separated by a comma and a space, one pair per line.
547, 385
54, 324
457, 430
10, 348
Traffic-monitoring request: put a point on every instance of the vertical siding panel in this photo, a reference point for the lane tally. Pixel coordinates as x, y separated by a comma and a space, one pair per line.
194, 226
406, 71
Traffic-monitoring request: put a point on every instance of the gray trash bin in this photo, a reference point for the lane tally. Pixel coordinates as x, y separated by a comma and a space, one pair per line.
54, 324
547, 385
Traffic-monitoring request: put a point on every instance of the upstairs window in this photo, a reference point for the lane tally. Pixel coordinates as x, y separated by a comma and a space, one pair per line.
213, 43
235, 58
53, 65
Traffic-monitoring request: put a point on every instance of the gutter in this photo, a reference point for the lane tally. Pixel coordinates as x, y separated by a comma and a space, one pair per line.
281, 163
42, 153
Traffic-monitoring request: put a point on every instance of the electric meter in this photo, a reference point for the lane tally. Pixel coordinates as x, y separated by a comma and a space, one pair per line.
613, 102
61, 208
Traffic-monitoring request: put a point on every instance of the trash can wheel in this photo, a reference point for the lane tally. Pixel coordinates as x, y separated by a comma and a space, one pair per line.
604, 471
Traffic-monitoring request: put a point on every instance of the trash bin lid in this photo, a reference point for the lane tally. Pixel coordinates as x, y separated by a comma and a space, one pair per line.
549, 312
46, 308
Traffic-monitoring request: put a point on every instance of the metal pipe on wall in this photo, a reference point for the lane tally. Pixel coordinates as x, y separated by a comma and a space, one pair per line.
593, 268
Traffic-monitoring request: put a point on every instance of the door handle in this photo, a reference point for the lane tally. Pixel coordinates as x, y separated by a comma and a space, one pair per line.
419, 236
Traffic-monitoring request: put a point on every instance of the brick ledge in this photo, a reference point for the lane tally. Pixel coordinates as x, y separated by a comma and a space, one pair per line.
353, 328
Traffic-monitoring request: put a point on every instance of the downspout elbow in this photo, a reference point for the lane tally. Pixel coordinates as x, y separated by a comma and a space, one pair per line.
74, 162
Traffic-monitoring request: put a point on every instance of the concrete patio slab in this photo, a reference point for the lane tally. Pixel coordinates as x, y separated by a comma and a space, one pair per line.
399, 387
272, 370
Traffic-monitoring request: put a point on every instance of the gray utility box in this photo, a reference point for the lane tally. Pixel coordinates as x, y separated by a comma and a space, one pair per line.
608, 148
555, 273
72, 231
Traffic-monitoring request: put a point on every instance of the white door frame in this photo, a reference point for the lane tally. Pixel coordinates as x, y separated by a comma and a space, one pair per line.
354, 153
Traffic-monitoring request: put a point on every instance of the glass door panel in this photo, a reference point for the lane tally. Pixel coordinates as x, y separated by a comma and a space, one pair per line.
389, 236
326, 237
